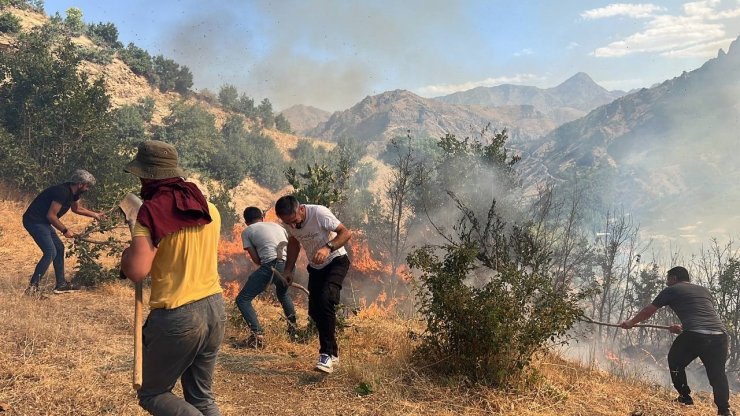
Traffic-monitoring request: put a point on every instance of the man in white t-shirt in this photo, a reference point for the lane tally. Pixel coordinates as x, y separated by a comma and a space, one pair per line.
262, 240
322, 236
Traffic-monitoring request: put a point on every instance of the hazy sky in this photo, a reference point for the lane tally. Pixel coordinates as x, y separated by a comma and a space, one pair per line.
332, 54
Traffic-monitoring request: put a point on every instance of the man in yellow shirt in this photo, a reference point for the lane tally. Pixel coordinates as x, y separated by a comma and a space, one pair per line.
176, 241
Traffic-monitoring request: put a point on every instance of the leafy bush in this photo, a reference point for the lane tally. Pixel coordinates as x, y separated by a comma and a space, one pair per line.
95, 54
138, 60
9, 23
228, 96
105, 33
222, 200
282, 124
488, 300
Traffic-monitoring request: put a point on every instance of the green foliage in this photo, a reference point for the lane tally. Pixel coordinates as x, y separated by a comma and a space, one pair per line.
305, 153
318, 185
488, 301
96, 55
105, 34
56, 119
220, 197
170, 76
139, 61
88, 270
228, 96
191, 129
9, 23
364, 388
74, 22
246, 106
35, 5
265, 114
487, 292
282, 124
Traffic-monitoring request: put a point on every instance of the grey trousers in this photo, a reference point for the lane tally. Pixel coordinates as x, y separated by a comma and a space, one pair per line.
182, 343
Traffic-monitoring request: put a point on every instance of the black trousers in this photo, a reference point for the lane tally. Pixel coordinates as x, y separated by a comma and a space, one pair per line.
325, 286
712, 351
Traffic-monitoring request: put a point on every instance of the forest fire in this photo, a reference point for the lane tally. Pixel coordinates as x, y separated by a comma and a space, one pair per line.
370, 278
612, 357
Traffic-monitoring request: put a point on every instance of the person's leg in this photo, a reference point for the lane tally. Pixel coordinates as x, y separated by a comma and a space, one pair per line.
325, 286
41, 234
58, 260
255, 284
713, 353
681, 354
171, 339
197, 381
281, 291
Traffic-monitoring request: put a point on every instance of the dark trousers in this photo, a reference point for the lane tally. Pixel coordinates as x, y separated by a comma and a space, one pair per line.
52, 250
712, 351
325, 286
256, 284
182, 343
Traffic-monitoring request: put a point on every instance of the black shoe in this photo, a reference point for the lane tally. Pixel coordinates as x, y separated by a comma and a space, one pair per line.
66, 287
32, 291
685, 400
727, 412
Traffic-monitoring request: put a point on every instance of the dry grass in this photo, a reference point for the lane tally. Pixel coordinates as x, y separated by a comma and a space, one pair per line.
71, 355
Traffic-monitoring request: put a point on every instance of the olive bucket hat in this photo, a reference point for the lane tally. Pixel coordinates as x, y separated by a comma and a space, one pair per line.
155, 160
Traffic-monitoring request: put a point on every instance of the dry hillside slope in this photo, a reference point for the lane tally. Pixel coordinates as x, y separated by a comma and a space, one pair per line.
71, 355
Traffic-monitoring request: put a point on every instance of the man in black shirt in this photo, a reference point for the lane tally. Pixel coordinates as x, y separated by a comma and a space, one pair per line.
43, 216
701, 334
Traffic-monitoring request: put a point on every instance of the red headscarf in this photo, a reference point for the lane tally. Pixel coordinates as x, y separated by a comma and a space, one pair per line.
171, 205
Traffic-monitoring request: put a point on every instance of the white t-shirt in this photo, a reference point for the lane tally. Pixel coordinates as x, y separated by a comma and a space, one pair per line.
264, 238
317, 230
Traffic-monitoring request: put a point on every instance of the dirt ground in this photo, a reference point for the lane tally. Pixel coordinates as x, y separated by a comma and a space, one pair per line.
72, 355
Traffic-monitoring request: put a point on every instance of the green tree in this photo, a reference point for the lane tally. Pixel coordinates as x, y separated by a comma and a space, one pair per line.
9, 23
228, 96
74, 22
139, 61
246, 106
107, 33
265, 114
282, 124
317, 185
192, 130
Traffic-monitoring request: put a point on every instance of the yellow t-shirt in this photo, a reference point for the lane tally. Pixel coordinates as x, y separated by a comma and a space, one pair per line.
185, 268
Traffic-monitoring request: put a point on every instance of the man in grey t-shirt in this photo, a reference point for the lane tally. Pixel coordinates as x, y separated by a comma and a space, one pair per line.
701, 334
265, 242
322, 236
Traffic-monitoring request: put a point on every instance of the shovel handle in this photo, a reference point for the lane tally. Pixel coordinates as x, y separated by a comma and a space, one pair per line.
138, 345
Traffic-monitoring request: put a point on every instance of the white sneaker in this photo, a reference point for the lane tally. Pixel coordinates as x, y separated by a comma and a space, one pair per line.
325, 363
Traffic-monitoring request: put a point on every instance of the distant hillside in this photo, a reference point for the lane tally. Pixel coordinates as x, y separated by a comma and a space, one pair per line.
395, 113
568, 101
303, 118
666, 153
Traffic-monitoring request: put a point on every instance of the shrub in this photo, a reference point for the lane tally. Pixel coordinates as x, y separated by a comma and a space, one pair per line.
138, 60
9, 23
488, 300
105, 33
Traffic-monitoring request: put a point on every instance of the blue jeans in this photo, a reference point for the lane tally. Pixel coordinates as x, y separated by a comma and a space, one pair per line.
52, 248
182, 343
256, 284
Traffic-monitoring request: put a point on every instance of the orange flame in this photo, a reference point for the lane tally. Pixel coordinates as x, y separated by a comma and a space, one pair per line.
231, 289
611, 356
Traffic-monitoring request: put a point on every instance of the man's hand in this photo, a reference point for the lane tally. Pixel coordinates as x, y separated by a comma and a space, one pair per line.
69, 233
676, 328
626, 324
321, 255
100, 216
288, 275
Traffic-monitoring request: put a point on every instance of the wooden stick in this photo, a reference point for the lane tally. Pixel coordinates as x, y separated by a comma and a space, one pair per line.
277, 274
591, 321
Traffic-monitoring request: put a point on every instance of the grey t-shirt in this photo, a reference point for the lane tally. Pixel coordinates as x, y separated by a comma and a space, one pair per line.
317, 229
694, 306
264, 238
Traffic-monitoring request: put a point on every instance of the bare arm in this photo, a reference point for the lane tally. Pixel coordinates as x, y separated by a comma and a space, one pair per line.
53, 216
78, 209
343, 235
644, 314
294, 247
137, 259
253, 255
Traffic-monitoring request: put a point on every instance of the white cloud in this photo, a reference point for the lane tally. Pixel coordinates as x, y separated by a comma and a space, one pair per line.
524, 52
444, 89
702, 50
696, 33
622, 9
572, 45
